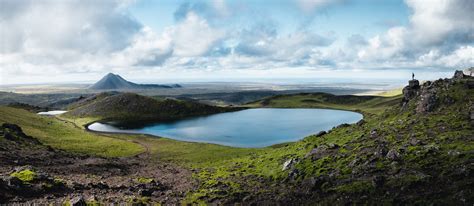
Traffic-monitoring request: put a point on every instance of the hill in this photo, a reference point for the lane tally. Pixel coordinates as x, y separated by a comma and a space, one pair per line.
367, 104
116, 82
134, 107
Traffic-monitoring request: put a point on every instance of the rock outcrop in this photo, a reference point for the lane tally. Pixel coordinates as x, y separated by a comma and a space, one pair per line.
428, 99
411, 90
458, 74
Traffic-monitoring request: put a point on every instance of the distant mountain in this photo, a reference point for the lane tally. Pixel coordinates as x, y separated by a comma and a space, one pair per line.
115, 81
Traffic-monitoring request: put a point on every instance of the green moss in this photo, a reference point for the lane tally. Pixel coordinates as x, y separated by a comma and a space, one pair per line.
26, 176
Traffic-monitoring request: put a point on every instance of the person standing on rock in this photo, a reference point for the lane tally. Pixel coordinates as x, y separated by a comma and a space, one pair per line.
413, 76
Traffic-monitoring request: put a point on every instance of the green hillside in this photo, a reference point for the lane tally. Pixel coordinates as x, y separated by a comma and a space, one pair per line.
134, 107
67, 136
419, 153
369, 104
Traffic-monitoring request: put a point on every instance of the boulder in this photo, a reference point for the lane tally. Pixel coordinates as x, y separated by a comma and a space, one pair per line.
78, 201
380, 151
373, 133
288, 164
393, 155
428, 101
414, 142
318, 152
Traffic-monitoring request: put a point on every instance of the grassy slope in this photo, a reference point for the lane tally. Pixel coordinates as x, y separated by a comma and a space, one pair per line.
66, 136
366, 104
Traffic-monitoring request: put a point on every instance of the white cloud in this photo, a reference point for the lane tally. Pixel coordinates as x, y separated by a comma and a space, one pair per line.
193, 36
439, 34
77, 36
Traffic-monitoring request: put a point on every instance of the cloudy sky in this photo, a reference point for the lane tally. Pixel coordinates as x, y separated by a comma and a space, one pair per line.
80, 40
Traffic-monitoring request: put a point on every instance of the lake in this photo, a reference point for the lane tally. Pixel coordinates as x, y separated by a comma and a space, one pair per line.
246, 128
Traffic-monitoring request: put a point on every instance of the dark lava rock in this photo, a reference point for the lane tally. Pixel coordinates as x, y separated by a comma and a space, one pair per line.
78, 201
378, 181
13, 183
145, 192
410, 91
317, 152
428, 101
393, 155
380, 151
320, 134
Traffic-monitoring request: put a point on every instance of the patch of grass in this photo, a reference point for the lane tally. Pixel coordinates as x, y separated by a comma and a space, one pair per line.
144, 180
66, 136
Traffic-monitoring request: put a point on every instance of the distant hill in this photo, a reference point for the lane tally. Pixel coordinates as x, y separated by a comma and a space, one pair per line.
133, 107
116, 82
370, 104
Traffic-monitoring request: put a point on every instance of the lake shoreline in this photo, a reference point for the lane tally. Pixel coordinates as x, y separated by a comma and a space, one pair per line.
236, 129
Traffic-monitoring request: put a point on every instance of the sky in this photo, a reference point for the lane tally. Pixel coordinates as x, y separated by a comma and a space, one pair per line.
58, 41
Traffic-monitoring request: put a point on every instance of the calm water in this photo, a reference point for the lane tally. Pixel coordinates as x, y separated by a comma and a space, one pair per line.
247, 128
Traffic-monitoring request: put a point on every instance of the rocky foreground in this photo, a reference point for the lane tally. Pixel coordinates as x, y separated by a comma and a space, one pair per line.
48, 175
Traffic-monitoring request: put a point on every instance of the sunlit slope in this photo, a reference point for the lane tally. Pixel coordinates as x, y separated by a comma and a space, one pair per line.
66, 136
